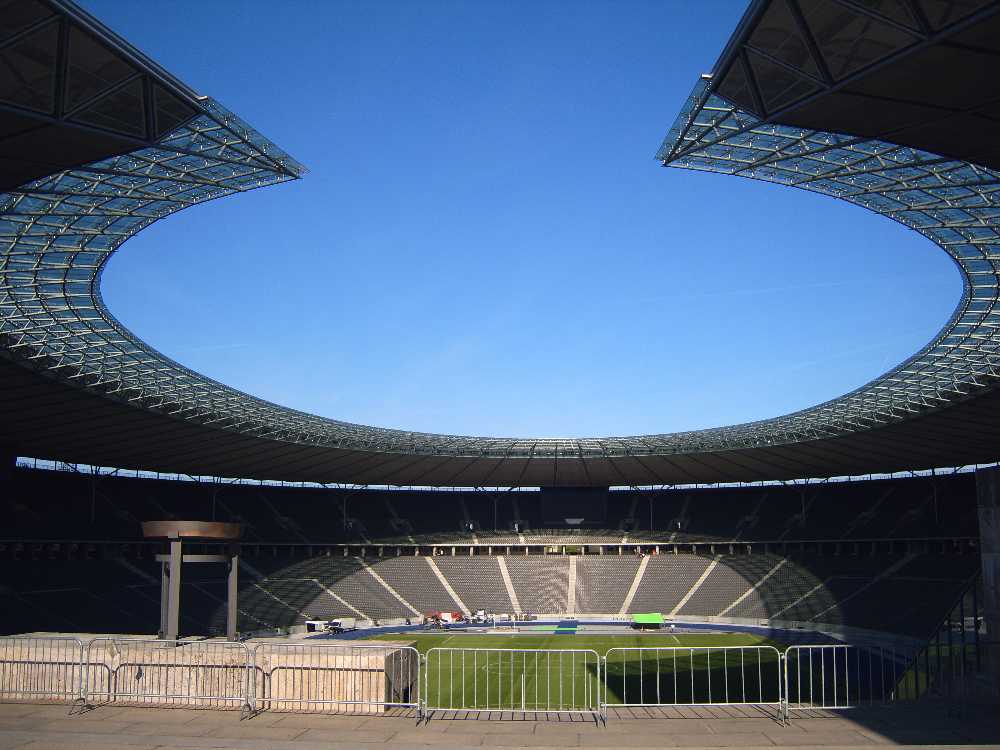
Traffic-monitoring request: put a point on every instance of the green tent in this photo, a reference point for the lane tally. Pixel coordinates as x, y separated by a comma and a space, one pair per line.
649, 618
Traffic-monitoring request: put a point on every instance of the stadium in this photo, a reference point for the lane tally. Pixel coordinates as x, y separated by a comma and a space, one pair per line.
169, 541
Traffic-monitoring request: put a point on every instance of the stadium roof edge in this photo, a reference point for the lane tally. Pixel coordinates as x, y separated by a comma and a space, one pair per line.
77, 385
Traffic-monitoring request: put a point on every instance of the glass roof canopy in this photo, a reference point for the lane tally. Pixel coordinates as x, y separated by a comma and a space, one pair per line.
953, 203
57, 232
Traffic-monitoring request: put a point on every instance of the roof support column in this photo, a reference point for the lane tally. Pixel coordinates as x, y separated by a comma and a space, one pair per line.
164, 598
171, 627
232, 592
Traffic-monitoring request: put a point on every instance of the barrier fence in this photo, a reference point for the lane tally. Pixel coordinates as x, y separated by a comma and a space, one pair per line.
839, 676
375, 678
515, 680
956, 671
198, 674
692, 676
354, 678
41, 669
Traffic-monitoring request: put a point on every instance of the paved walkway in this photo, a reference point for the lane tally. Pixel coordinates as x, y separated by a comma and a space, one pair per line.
32, 727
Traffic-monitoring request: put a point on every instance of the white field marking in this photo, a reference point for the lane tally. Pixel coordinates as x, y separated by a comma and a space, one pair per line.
635, 586
277, 599
571, 587
136, 570
697, 585
242, 611
806, 595
502, 562
884, 574
245, 566
753, 588
389, 588
347, 604
343, 601
447, 586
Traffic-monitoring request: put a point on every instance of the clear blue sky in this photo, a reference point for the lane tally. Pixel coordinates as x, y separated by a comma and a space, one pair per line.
485, 245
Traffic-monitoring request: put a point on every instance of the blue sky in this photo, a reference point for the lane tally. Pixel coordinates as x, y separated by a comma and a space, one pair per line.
484, 243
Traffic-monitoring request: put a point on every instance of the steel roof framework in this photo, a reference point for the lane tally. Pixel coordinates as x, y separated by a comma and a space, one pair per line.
58, 232
954, 204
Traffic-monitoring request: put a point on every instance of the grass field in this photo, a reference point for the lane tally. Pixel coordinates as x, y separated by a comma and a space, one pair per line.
546, 672
599, 643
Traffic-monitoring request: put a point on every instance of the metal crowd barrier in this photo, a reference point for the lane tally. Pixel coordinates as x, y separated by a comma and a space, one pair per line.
199, 674
375, 678
840, 676
34, 669
692, 676
525, 681
356, 678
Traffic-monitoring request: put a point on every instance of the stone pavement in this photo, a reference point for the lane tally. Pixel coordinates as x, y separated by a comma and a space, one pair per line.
44, 727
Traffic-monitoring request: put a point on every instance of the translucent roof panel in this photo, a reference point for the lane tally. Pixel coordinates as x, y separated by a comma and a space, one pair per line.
58, 231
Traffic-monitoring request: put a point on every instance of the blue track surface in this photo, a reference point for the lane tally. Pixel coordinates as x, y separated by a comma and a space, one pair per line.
785, 636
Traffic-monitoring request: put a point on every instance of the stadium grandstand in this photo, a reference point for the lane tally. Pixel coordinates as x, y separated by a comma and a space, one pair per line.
869, 523
837, 554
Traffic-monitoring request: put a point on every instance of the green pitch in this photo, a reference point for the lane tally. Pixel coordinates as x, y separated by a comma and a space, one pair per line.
516, 672
599, 643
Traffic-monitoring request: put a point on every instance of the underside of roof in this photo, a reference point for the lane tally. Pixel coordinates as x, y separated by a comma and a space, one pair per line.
917, 72
78, 386
52, 419
73, 93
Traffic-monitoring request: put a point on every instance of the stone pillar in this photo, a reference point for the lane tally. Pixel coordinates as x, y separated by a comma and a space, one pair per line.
174, 591
164, 599
232, 592
988, 494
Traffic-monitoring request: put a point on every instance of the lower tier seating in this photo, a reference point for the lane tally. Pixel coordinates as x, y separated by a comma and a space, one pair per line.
905, 594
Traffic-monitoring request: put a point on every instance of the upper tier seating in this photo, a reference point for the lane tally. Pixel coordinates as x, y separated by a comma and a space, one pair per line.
40, 504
